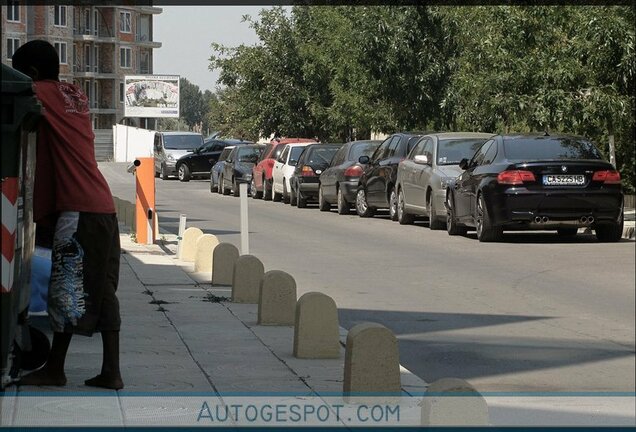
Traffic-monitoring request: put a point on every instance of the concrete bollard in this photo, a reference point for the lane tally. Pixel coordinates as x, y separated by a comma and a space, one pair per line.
205, 246
189, 244
246, 279
277, 299
224, 258
316, 333
372, 360
454, 402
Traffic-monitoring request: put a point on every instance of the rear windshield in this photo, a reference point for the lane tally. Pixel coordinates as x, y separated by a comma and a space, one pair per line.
362, 149
452, 151
321, 156
527, 149
182, 142
249, 154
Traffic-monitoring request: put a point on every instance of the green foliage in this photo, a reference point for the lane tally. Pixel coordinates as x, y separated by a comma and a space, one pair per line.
172, 124
339, 72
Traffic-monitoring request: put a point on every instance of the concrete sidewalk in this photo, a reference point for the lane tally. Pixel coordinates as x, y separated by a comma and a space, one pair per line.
177, 337
182, 343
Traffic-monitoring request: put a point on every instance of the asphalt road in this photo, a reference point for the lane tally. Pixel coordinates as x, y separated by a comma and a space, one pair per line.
534, 313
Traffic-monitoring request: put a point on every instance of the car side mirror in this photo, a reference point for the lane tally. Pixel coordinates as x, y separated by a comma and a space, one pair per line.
364, 159
422, 159
463, 164
292, 163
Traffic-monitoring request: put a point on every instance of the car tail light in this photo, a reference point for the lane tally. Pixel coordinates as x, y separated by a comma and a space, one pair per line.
353, 171
607, 176
307, 171
515, 177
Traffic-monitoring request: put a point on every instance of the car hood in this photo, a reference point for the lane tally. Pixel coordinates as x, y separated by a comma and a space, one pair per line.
449, 170
179, 154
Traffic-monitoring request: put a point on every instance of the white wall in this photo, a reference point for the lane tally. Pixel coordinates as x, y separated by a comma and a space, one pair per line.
130, 143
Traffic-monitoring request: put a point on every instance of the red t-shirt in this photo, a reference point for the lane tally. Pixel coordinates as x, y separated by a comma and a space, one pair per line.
66, 173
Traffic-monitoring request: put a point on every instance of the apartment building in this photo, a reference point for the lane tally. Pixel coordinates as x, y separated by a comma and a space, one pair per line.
97, 45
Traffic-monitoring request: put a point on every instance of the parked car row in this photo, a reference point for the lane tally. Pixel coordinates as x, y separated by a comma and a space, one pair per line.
457, 181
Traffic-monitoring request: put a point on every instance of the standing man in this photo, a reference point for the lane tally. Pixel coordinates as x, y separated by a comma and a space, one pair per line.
75, 216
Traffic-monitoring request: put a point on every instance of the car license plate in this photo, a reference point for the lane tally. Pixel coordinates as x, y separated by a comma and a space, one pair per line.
564, 180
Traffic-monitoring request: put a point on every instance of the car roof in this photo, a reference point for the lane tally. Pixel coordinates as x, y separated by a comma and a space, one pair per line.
298, 144
292, 140
412, 133
460, 135
179, 133
326, 145
540, 135
364, 141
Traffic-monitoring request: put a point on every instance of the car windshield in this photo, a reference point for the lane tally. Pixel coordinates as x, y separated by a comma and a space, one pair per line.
547, 148
249, 154
362, 149
295, 152
452, 151
321, 156
182, 142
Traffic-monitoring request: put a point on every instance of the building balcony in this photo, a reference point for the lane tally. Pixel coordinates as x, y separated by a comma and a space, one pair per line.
103, 110
149, 10
94, 74
146, 42
87, 35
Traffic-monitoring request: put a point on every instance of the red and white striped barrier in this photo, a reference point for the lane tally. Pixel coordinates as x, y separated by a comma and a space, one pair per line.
9, 226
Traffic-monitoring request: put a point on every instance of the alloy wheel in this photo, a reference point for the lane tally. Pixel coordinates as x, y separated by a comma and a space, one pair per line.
343, 206
393, 205
479, 222
361, 202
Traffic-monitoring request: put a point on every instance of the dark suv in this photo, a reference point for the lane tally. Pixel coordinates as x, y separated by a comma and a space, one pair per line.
376, 189
200, 162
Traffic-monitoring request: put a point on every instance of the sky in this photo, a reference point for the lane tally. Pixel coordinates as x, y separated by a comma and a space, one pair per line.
186, 33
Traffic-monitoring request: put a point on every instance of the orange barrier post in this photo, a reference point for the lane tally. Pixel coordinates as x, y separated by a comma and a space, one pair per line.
145, 202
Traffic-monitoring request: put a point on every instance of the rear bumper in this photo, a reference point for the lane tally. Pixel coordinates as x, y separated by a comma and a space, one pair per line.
349, 190
309, 189
554, 209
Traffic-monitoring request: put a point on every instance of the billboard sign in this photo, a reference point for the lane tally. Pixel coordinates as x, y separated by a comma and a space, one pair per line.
151, 96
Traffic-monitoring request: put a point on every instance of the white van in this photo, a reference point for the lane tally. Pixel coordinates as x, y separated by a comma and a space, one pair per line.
170, 146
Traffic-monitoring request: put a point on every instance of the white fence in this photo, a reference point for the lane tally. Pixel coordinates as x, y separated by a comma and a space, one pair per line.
131, 142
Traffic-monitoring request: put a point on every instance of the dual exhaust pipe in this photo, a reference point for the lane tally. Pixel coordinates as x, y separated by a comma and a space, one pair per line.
585, 220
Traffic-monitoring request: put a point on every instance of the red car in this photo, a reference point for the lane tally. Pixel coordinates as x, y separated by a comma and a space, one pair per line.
262, 172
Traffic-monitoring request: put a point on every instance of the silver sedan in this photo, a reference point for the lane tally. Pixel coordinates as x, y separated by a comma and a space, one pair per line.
422, 177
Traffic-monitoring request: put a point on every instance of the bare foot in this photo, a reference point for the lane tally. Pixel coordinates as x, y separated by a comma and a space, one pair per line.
43, 377
104, 381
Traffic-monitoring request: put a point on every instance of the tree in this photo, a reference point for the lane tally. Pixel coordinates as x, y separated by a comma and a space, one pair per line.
191, 101
564, 69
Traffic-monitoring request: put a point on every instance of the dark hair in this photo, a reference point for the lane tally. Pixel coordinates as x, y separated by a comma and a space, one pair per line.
37, 59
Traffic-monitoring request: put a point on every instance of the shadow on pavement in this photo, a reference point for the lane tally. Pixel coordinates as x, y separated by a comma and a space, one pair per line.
432, 355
